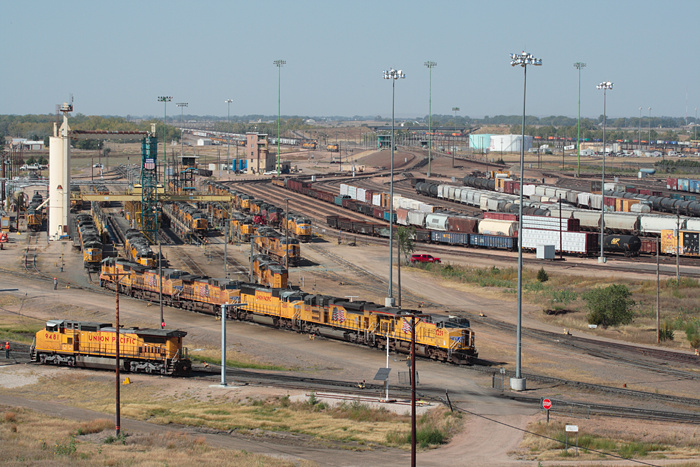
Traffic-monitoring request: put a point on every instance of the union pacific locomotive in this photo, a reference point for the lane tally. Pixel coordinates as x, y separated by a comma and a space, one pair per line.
448, 339
93, 345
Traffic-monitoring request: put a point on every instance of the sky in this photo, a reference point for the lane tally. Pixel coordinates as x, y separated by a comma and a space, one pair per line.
117, 57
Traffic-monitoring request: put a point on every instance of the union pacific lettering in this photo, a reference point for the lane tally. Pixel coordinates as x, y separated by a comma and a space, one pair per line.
111, 338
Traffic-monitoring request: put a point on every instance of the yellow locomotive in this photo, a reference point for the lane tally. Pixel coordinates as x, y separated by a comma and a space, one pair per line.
444, 338
93, 345
187, 220
35, 214
448, 339
90, 241
180, 289
299, 227
138, 248
270, 242
269, 272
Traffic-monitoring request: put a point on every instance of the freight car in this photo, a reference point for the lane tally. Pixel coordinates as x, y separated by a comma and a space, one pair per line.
93, 345
448, 339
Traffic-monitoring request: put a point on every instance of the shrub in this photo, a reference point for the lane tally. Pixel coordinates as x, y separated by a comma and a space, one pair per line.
609, 306
542, 275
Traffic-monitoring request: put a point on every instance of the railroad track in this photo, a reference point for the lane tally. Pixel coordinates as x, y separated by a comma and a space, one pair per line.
30, 253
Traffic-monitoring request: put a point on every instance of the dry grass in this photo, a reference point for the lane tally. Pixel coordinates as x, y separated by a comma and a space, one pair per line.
650, 440
27, 438
354, 426
679, 304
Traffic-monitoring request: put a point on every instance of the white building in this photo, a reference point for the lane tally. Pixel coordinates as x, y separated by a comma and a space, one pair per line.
509, 143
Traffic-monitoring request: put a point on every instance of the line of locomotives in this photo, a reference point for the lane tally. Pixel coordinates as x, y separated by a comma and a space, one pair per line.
93, 345
443, 338
258, 212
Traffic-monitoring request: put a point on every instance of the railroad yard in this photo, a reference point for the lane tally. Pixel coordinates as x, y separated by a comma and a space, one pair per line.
612, 381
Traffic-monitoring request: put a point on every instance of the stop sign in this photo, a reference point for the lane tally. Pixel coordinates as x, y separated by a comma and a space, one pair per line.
546, 404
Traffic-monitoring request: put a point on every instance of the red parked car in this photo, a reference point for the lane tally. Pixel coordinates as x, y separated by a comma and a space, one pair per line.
423, 258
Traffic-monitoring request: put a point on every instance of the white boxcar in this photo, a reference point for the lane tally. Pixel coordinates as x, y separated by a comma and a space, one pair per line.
451, 192
417, 218
540, 190
352, 191
692, 223
571, 242
498, 227
529, 190
436, 221
377, 199
650, 224
361, 194
595, 201
343, 189
584, 199
442, 191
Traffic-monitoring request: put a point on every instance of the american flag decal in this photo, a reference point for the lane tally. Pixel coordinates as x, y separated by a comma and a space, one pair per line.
338, 315
406, 326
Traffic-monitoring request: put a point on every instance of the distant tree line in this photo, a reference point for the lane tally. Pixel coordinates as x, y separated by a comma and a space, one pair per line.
40, 127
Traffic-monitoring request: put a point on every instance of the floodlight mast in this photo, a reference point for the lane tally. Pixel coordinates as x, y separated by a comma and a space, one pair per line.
605, 85
393, 75
430, 64
523, 59
279, 64
579, 65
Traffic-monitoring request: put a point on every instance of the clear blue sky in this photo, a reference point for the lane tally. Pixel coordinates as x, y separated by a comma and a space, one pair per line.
117, 57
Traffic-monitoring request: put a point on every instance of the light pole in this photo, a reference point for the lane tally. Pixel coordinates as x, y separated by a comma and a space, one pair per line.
649, 137
579, 65
454, 138
430, 65
393, 75
279, 64
228, 139
695, 126
182, 106
605, 85
164, 100
639, 134
524, 59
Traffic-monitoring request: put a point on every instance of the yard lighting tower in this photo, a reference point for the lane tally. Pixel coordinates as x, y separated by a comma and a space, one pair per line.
578, 66
454, 138
639, 134
649, 137
164, 100
279, 64
393, 75
605, 85
182, 106
523, 59
430, 65
695, 125
228, 144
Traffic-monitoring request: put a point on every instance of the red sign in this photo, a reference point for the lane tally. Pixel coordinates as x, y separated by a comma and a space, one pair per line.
546, 404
